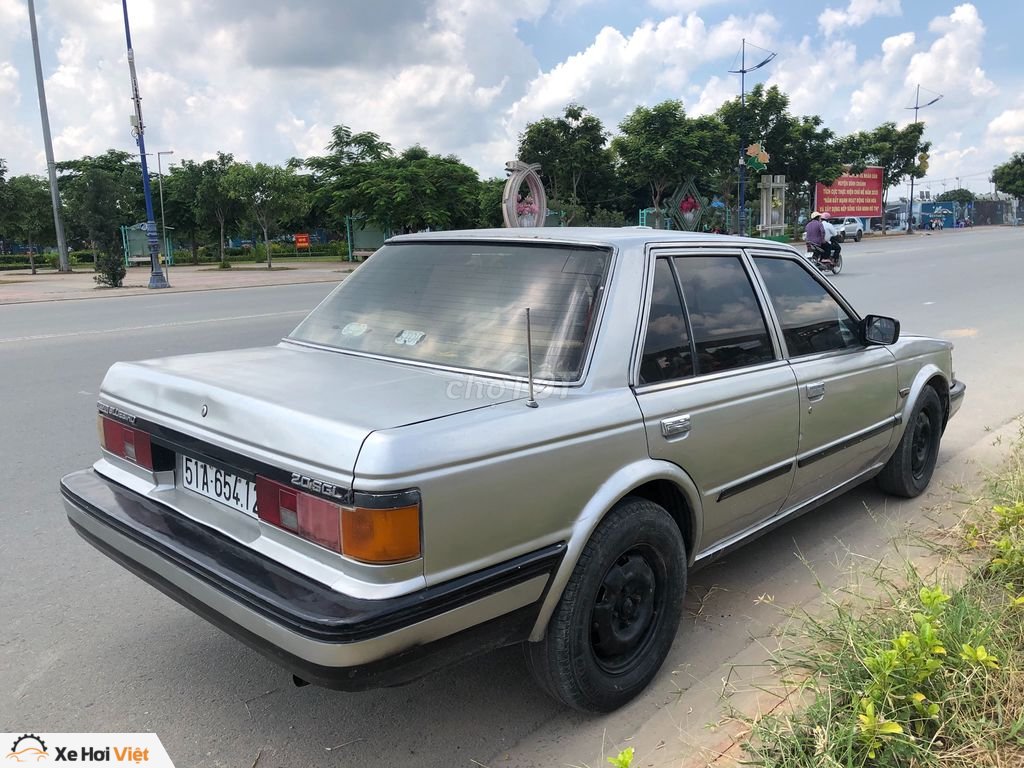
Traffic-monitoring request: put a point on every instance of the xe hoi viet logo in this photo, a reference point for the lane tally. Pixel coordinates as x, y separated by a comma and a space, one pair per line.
28, 748
97, 749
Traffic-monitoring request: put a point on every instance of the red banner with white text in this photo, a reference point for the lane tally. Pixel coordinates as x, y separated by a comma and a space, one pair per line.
852, 195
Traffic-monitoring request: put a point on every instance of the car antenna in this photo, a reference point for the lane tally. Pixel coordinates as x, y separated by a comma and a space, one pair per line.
531, 402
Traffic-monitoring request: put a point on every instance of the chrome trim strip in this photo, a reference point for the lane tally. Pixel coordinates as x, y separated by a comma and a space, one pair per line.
846, 442
756, 480
782, 517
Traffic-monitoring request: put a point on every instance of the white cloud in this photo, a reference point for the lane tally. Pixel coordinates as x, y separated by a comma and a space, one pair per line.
816, 80
616, 72
9, 93
856, 14
682, 6
1006, 131
952, 65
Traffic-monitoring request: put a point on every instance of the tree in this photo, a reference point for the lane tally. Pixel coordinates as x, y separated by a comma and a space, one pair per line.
6, 204
489, 199
577, 167
660, 147
899, 151
215, 203
798, 147
100, 194
960, 195
336, 173
1009, 177
182, 204
270, 195
31, 217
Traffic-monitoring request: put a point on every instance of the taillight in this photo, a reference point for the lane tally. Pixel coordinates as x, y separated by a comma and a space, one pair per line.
126, 442
377, 536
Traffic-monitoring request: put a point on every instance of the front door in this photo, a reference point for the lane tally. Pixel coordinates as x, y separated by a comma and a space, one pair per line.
716, 397
848, 391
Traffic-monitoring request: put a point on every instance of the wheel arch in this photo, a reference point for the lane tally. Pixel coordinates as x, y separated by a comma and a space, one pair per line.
929, 375
661, 482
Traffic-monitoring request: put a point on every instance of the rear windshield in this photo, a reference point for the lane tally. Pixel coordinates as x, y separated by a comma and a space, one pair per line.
464, 305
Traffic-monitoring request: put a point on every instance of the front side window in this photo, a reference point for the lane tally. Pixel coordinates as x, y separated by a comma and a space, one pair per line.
667, 354
463, 305
812, 320
728, 327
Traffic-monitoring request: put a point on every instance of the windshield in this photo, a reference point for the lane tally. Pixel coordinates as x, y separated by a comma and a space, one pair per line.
464, 305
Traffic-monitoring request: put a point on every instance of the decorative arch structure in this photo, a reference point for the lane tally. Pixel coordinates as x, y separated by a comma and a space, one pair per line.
523, 173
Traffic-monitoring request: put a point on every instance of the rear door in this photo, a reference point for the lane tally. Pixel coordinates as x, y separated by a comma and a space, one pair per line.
848, 391
716, 397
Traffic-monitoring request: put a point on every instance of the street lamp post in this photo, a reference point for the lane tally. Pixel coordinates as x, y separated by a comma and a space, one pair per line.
163, 219
741, 212
917, 105
156, 277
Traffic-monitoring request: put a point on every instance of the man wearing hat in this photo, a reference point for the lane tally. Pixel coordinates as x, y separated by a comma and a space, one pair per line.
816, 233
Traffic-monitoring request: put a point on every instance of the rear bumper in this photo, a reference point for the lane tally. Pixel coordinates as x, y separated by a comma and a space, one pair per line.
319, 635
956, 397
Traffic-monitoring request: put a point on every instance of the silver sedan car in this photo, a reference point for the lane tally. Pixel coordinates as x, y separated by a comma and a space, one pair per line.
505, 436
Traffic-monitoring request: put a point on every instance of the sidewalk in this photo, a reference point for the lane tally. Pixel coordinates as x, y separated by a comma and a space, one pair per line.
19, 287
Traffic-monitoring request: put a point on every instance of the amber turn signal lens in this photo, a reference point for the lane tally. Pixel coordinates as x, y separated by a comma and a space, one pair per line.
381, 536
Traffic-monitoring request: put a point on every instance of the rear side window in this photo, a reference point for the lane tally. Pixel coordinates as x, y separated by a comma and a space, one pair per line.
667, 353
728, 327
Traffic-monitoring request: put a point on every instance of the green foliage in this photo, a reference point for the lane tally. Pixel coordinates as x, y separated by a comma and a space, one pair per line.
100, 194
1009, 177
110, 270
624, 759
30, 217
901, 152
577, 167
489, 203
269, 195
660, 147
224, 264
962, 196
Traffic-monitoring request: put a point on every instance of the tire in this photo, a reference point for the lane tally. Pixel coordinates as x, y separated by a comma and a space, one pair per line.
910, 468
837, 264
858, 236
619, 613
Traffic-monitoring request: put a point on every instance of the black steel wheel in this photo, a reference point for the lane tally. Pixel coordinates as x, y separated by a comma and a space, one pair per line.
910, 468
619, 612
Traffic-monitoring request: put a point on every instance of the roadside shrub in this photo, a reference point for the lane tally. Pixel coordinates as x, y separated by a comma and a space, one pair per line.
224, 265
337, 249
81, 257
53, 260
110, 270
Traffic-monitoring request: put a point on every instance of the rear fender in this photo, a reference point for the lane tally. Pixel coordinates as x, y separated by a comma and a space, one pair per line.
614, 489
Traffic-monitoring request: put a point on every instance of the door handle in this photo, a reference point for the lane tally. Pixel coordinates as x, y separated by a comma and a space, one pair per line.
815, 391
676, 426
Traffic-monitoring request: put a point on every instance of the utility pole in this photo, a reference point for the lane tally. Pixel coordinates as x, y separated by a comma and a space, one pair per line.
917, 105
163, 219
741, 213
156, 277
58, 224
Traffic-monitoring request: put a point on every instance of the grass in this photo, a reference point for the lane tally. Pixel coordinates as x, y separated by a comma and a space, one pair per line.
922, 673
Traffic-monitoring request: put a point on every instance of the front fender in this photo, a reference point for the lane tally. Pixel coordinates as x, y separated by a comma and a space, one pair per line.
608, 495
925, 374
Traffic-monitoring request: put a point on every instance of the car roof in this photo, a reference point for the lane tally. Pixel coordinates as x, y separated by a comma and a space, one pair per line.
612, 236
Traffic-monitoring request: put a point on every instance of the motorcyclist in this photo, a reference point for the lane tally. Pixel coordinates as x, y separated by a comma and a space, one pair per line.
815, 235
832, 248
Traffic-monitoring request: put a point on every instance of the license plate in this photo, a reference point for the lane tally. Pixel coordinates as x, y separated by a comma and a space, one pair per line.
216, 484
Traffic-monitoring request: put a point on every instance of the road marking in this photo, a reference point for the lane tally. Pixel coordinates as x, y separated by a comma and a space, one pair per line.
928, 302
125, 329
959, 333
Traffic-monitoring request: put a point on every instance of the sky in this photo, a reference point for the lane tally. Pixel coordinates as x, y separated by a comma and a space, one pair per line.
266, 80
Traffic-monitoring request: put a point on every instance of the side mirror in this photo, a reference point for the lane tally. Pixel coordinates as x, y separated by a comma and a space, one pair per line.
879, 329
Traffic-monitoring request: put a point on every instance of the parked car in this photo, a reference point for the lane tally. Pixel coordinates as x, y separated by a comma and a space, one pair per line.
850, 227
507, 436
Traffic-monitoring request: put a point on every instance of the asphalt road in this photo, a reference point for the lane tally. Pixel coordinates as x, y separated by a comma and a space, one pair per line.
85, 646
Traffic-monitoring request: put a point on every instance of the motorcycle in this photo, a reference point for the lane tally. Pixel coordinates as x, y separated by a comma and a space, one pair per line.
833, 262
